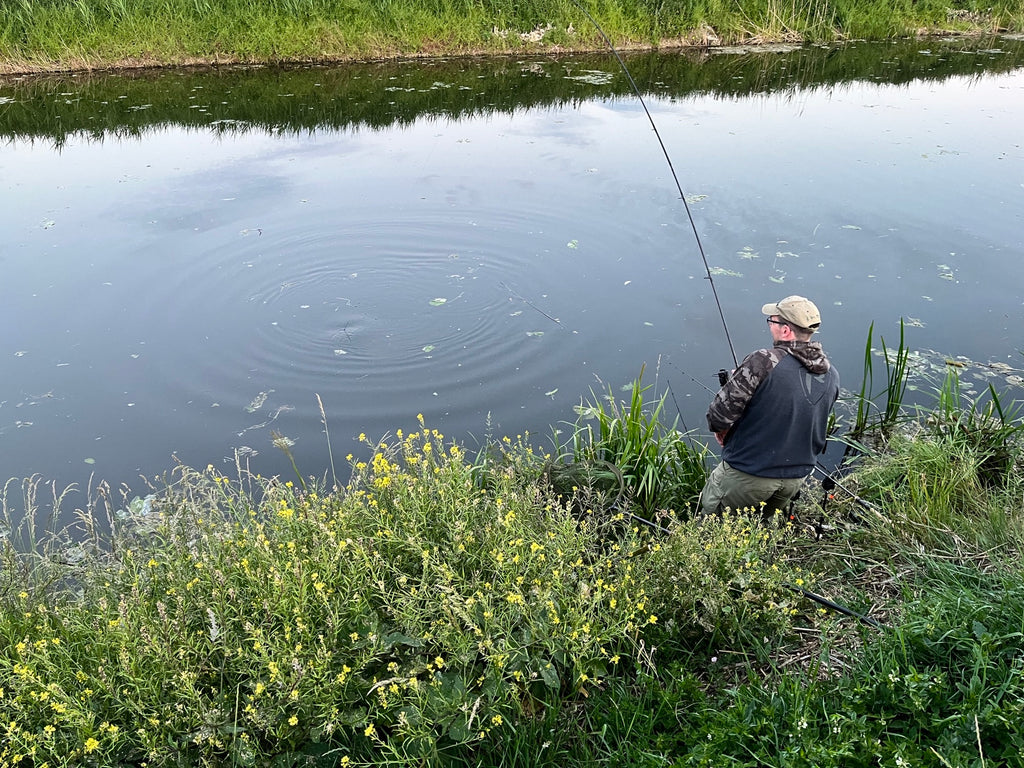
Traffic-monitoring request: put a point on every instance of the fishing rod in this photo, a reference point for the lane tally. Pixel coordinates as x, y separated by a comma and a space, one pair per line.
714, 291
672, 170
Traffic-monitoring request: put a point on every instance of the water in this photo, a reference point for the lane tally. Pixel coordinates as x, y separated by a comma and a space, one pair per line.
191, 258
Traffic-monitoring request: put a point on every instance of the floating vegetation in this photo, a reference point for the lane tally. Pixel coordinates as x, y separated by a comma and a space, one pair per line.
696, 198
777, 279
573, 244
746, 252
438, 302
593, 77
258, 401
849, 226
723, 272
535, 333
945, 272
428, 348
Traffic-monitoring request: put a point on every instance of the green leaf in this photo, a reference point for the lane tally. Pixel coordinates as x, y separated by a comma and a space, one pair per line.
549, 675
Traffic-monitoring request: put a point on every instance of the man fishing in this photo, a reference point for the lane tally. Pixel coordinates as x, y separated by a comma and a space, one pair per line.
771, 415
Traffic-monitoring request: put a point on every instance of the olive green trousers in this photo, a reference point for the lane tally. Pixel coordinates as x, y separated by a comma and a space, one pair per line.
728, 488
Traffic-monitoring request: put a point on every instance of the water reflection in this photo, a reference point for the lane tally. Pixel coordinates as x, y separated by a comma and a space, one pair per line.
190, 257
378, 95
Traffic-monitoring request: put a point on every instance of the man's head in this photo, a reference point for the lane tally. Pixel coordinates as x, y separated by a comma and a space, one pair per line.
798, 313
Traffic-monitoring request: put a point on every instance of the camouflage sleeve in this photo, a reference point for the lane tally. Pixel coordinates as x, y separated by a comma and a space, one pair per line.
731, 400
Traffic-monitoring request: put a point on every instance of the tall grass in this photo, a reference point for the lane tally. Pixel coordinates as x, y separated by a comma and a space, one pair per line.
661, 468
870, 416
70, 33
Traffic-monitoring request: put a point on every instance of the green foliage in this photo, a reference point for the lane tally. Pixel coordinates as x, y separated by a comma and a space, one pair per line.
945, 688
721, 582
53, 34
442, 611
429, 609
661, 468
897, 376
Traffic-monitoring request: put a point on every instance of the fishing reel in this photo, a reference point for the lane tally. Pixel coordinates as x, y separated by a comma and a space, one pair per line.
723, 377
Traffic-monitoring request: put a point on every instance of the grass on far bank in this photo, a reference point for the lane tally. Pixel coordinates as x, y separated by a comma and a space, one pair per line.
46, 35
446, 609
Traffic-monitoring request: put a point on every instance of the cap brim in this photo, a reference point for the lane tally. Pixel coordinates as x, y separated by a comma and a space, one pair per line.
770, 309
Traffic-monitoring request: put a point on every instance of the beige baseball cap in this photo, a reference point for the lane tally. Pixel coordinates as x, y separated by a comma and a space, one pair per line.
799, 311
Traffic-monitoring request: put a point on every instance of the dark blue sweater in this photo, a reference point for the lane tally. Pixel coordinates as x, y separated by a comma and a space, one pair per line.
783, 428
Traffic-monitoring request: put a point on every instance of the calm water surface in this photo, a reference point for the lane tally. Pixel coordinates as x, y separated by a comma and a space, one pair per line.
189, 259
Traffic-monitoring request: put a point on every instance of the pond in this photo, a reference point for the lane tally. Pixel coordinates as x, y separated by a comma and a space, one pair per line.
195, 261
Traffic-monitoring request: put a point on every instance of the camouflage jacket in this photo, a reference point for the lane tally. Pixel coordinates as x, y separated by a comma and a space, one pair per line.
732, 399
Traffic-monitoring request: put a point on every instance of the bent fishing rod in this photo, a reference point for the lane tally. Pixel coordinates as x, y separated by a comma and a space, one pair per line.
714, 291
672, 170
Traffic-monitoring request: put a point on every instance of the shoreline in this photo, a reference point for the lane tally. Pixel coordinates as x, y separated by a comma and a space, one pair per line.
14, 69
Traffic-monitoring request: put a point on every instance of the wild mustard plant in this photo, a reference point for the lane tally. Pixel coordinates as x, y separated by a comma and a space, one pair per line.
722, 579
408, 613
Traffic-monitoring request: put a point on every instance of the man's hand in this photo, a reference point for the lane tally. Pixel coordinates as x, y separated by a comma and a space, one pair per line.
720, 436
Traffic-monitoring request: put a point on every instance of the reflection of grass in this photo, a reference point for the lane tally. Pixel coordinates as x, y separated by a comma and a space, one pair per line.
296, 100
441, 611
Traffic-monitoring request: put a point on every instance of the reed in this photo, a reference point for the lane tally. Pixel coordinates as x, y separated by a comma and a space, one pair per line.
661, 468
897, 376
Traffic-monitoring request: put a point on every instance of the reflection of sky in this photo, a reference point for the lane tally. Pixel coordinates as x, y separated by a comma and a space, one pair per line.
154, 287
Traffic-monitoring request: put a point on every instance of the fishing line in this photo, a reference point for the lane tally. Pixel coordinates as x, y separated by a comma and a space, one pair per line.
672, 170
721, 313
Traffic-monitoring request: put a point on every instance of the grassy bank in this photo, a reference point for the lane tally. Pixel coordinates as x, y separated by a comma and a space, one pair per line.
513, 608
47, 35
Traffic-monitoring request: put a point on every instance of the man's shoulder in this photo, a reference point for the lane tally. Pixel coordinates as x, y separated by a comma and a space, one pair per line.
764, 360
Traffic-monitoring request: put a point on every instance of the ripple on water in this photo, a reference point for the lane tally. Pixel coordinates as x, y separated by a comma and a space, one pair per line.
404, 307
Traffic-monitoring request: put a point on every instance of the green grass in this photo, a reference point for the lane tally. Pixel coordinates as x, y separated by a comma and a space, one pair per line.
61, 34
445, 609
